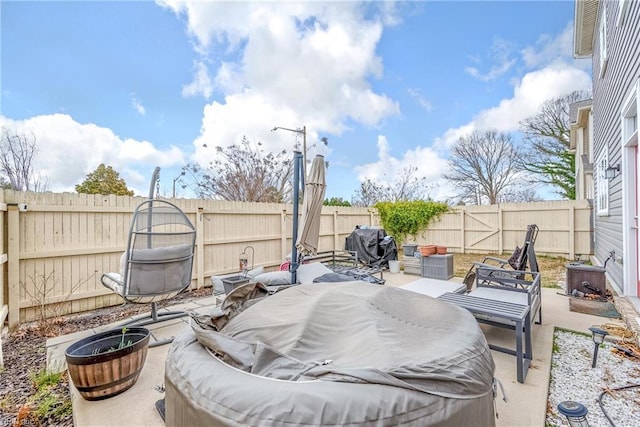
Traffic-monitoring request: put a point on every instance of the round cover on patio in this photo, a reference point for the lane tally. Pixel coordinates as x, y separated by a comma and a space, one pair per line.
331, 354
314, 189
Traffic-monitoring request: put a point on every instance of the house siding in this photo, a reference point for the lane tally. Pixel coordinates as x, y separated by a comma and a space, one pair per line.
609, 92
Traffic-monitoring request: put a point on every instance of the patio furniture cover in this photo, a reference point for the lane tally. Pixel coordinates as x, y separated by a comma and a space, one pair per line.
332, 354
314, 189
373, 246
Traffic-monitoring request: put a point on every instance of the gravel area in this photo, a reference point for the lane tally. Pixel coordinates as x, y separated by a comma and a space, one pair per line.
572, 378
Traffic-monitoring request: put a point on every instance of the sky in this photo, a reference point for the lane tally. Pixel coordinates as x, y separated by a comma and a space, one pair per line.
391, 85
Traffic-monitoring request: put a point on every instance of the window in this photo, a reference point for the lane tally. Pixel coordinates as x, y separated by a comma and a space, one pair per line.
602, 183
603, 40
623, 5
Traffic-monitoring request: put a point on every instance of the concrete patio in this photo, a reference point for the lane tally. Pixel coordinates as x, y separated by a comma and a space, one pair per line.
525, 406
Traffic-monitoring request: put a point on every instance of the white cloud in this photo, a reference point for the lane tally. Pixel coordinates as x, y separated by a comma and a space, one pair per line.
201, 84
229, 78
500, 56
62, 142
137, 105
220, 21
420, 99
535, 88
445, 141
287, 64
495, 71
548, 49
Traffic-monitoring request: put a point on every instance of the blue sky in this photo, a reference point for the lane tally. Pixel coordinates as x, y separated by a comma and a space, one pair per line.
142, 84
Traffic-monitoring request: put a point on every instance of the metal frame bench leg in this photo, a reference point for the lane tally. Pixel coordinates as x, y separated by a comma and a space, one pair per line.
523, 333
528, 343
519, 356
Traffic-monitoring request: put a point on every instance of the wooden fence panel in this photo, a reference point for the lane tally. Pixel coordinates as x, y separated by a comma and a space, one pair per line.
58, 249
565, 228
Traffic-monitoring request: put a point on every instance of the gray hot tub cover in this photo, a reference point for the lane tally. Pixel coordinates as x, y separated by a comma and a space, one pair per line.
423, 357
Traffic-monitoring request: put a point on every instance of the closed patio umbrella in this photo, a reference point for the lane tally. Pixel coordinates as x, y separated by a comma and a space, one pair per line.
314, 189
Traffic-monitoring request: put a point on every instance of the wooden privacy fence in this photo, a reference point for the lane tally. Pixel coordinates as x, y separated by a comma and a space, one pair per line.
566, 228
57, 245
60, 244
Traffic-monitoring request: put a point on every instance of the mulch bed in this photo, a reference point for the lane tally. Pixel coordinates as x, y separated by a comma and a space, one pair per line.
25, 353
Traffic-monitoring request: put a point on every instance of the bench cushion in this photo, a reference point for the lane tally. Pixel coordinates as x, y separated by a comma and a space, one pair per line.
497, 294
434, 287
273, 278
306, 273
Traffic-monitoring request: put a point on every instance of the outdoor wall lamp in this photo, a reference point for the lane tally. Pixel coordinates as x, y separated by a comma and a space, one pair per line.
575, 412
612, 171
598, 338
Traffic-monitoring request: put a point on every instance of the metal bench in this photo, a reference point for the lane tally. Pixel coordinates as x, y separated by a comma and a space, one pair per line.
507, 299
488, 311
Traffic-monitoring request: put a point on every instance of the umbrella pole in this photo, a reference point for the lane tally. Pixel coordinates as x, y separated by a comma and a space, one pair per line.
297, 163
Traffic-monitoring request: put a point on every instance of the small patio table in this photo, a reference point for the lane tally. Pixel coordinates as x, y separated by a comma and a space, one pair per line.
505, 315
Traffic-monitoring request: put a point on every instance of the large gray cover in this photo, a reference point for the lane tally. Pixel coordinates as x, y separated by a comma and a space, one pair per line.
334, 354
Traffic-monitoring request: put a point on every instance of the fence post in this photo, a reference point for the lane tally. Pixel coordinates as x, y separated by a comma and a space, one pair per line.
336, 244
13, 266
501, 233
572, 232
200, 246
462, 231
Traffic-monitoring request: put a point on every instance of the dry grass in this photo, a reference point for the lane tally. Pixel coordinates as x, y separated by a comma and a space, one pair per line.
552, 269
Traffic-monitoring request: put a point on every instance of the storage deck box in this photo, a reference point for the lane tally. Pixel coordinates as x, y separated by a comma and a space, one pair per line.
438, 266
409, 250
582, 277
412, 265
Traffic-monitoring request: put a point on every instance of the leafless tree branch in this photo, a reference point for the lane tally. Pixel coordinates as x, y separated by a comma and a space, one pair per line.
17, 154
483, 166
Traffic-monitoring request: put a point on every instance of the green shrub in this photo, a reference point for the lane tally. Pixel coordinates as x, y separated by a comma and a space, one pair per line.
402, 219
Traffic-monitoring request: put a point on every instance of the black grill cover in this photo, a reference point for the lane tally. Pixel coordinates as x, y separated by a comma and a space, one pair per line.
373, 246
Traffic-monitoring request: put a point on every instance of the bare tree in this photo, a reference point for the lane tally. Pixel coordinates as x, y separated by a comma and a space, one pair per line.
17, 153
547, 136
245, 172
522, 194
404, 185
484, 166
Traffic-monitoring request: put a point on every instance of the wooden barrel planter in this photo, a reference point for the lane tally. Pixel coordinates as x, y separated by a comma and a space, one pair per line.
108, 363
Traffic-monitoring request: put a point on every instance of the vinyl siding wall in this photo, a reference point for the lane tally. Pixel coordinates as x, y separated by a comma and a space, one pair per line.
609, 92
